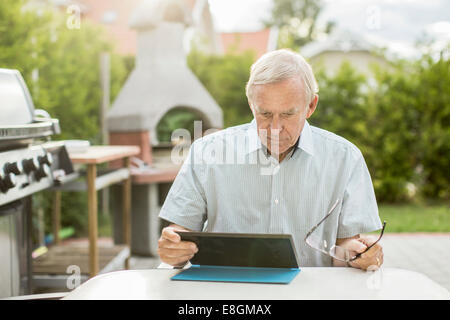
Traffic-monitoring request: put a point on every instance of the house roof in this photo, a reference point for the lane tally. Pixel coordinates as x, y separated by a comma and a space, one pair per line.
338, 40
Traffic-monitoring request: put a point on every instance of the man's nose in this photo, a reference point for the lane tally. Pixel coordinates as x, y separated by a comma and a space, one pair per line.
276, 126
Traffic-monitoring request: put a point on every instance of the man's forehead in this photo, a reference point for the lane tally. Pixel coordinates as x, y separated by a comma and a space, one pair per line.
277, 108
295, 83
286, 95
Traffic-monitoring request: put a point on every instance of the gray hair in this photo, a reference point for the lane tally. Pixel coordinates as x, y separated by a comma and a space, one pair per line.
279, 65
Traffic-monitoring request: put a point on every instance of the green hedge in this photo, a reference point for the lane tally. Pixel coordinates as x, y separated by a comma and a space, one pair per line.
400, 120
399, 117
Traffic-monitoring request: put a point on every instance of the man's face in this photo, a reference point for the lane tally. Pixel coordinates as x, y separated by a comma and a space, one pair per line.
280, 110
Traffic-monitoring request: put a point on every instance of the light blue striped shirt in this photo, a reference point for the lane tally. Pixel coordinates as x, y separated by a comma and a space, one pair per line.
228, 184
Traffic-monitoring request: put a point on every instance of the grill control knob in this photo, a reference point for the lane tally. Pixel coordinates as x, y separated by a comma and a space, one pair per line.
30, 164
46, 159
42, 172
2, 176
7, 181
13, 167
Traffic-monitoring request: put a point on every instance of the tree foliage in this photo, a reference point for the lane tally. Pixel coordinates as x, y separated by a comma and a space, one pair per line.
175, 119
67, 62
225, 78
36, 41
401, 123
433, 115
297, 22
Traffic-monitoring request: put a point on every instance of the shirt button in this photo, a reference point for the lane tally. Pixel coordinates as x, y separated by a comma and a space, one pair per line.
276, 201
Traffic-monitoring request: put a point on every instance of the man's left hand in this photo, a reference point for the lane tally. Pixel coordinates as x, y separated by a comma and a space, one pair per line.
370, 260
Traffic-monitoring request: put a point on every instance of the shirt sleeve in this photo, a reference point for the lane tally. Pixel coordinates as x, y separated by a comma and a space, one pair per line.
359, 213
185, 203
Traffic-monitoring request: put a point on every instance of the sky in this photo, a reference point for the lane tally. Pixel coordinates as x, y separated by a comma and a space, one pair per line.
394, 24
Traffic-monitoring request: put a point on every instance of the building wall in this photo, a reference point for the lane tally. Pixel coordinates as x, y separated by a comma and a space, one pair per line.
239, 42
125, 38
118, 12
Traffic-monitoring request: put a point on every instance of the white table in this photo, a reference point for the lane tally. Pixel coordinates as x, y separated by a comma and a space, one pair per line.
310, 283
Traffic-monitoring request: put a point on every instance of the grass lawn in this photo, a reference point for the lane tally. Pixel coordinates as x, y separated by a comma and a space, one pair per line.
416, 217
399, 217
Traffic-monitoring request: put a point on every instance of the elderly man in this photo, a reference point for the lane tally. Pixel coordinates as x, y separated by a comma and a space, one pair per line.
286, 177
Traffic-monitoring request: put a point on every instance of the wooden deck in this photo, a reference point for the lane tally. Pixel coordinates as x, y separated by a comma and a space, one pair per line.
60, 257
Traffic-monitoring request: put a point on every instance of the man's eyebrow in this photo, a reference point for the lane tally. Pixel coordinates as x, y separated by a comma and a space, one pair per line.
292, 110
261, 110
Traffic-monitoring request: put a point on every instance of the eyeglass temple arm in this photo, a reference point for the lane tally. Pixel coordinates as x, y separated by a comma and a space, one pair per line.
318, 224
379, 238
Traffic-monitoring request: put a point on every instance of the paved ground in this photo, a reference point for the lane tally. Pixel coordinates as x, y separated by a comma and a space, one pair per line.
425, 253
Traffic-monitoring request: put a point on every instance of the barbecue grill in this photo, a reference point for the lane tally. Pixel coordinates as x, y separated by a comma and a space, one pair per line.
29, 163
18, 125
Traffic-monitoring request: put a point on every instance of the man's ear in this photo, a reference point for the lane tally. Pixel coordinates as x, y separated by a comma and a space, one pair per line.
251, 107
312, 106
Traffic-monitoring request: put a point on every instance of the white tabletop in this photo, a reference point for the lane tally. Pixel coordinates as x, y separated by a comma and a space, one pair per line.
310, 283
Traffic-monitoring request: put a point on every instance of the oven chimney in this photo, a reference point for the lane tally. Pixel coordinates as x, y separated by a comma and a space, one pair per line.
161, 79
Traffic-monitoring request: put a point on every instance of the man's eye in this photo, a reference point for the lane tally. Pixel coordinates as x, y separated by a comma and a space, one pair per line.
266, 114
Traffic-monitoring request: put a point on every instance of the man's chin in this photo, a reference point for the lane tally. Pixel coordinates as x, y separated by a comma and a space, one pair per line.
277, 150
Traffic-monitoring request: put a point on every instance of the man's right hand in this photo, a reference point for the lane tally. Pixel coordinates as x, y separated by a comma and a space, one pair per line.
172, 250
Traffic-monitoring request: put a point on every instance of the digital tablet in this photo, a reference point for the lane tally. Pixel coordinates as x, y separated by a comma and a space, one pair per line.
243, 249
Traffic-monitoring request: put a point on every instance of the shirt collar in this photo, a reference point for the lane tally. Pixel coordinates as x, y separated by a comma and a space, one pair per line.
305, 141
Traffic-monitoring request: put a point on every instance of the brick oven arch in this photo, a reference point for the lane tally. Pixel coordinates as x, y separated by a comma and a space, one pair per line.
180, 117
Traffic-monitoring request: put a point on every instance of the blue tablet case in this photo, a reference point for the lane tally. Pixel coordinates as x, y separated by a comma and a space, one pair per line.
228, 257
237, 274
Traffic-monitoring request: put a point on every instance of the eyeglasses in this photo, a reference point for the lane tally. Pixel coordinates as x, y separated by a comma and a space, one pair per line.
337, 252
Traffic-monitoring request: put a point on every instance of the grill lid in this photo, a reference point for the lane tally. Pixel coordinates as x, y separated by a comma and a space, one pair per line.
16, 105
39, 128
17, 121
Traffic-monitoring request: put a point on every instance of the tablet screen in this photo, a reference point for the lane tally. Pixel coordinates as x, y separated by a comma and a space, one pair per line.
243, 249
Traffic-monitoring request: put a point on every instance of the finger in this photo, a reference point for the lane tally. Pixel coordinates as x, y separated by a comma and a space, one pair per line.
373, 268
381, 258
175, 253
376, 250
176, 261
366, 262
368, 239
169, 233
174, 256
356, 246
185, 245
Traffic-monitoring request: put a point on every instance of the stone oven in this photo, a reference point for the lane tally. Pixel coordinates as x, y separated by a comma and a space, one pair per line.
160, 82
